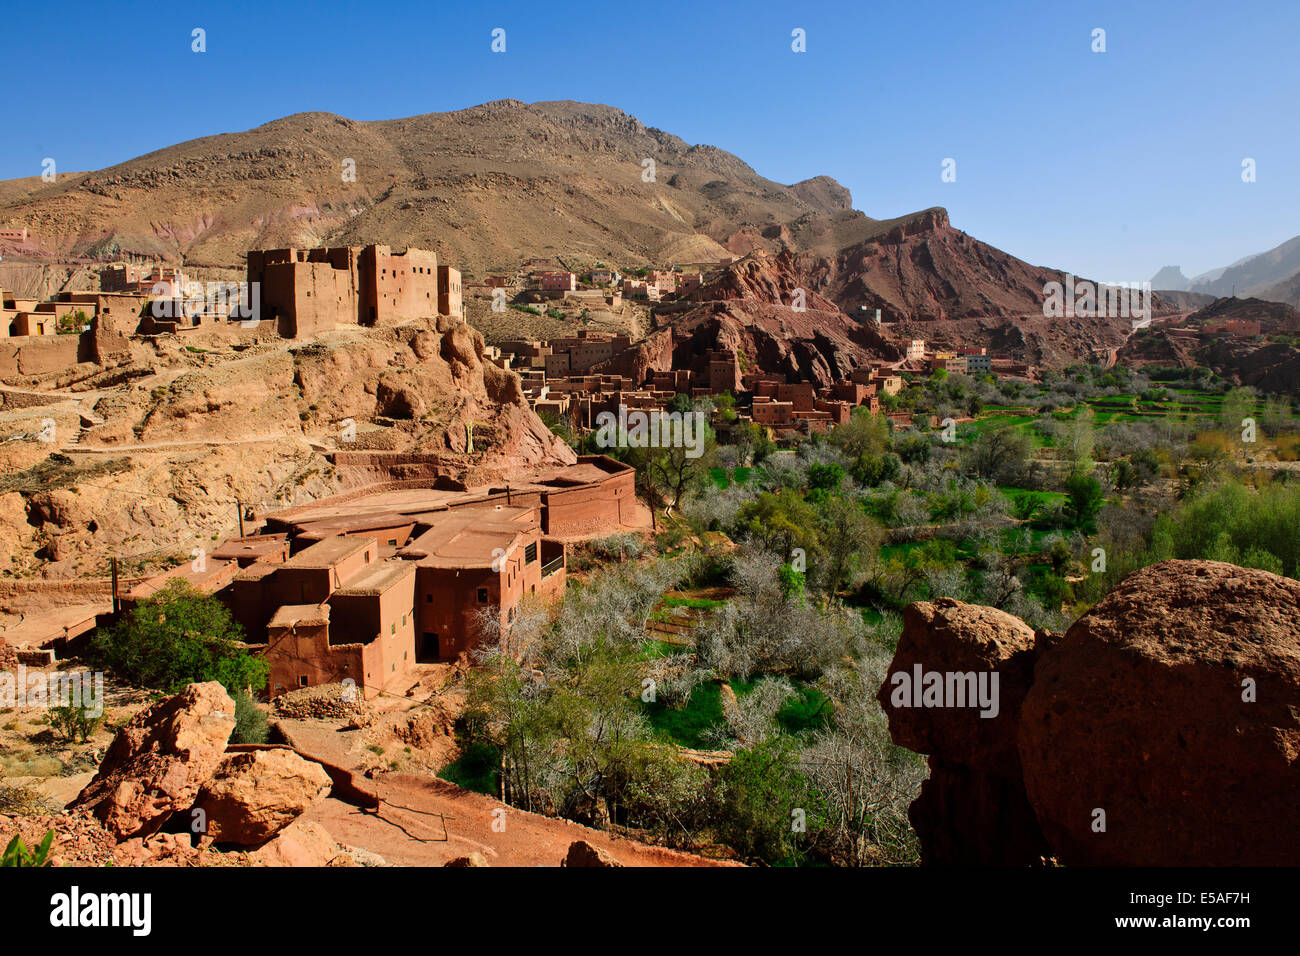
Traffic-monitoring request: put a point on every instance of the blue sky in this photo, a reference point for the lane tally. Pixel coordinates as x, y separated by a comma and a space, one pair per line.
1111, 164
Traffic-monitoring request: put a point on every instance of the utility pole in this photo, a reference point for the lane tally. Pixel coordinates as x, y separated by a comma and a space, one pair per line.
117, 603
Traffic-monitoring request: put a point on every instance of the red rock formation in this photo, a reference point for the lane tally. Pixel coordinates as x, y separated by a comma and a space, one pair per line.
1161, 730
252, 795
972, 810
157, 763
582, 853
1144, 711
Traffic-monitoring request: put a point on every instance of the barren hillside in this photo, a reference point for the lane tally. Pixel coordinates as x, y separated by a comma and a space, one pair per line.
483, 185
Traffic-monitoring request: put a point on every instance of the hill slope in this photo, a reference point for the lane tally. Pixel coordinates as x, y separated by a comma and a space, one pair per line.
483, 185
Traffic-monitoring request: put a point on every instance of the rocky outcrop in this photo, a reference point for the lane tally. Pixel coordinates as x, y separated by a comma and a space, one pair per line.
301, 843
255, 794
775, 280
582, 853
1173, 709
157, 763
954, 692
1160, 730
824, 194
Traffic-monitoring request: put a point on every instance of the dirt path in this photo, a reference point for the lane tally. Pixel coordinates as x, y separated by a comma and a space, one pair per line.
423, 821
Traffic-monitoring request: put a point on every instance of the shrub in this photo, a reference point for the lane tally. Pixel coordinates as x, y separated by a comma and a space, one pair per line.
73, 722
250, 721
179, 636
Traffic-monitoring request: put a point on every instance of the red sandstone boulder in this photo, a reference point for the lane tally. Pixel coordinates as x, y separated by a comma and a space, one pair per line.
582, 853
399, 399
301, 843
972, 809
157, 763
255, 794
1141, 712
949, 638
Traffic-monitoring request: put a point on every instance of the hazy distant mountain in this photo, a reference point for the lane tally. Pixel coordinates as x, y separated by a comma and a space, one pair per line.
1172, 278
1253, 275
1288, 291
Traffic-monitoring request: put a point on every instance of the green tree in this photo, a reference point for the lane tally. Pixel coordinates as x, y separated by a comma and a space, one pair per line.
764, 797
179, 636
1238, 405
999, 455
851, 538
1084, 499
669, 473
781, 521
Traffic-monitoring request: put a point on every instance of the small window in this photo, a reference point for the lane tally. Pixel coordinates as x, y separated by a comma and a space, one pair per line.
392, 628
392, 542
482, 595
428, 599
530, 553
302, 680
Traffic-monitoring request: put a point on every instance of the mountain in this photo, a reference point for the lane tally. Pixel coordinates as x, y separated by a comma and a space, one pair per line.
1253, 275
1286, 291
1172, 279
483, 186
489, 186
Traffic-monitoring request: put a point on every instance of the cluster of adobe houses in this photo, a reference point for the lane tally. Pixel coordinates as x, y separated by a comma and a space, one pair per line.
1233, 329
569, 378
67, 312
549, 279
575, 378
975, 362
301, 291
367, 586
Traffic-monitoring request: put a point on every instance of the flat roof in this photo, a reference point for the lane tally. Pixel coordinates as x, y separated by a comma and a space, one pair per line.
470, 539
390, 508
377, 578
290, 614
215, 574
327, 553
251, 547
339, 524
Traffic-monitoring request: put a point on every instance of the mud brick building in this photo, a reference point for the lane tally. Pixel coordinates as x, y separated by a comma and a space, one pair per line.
367, 585
308, 291
449, 294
